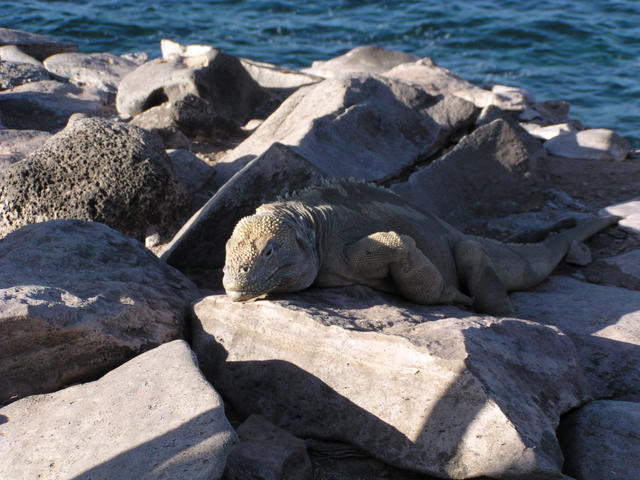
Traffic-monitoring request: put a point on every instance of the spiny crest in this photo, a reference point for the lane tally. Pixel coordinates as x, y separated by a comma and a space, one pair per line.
331, 182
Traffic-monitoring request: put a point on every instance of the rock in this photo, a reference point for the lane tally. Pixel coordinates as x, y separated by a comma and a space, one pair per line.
187, 117
97, 170
274, 77
439, 80
511, 98
601, 441
267, 75
136, 57
78, 299
11, 53
47, 105
364, 127
215, 77
596, 144
200, 243
620, 270
359, 60
603, 323
551, 112
194, 174
35, 45
153, 417
487, 173
103, 71
169, 49
17, 144
267, 452
550, 131
435, 390
630, 210
432, 78
15, 74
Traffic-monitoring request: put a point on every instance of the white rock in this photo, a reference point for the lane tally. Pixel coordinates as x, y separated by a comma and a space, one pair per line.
630, 210
153, 417
550, 131
169, 48
434, 390
601, 441
596, 144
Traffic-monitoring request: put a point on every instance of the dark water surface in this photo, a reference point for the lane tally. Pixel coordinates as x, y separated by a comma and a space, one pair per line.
584, 51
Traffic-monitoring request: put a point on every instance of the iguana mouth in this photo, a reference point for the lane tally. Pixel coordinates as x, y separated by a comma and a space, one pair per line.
252, 291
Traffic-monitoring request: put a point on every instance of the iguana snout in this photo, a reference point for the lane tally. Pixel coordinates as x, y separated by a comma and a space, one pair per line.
264, 255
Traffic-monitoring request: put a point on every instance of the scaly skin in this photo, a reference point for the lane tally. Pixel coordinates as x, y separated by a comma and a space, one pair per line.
345, 232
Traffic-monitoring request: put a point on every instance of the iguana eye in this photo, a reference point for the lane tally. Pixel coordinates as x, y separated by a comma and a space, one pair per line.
268, 252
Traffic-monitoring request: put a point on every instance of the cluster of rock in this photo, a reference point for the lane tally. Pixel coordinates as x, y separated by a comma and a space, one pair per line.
115, 358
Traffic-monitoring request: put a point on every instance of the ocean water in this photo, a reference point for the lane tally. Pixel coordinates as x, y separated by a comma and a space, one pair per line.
584, 51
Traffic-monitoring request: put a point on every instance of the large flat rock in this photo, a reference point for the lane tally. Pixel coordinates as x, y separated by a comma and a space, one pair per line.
602, 321
153, 417
435, 390
369, 128
77, 299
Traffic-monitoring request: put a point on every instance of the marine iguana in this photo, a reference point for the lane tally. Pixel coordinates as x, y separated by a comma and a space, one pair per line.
345, 232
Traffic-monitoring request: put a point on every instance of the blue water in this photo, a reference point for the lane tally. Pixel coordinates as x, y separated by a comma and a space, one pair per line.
584, 51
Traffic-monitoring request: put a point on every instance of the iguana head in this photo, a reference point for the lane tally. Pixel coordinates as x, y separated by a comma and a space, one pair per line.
267, 254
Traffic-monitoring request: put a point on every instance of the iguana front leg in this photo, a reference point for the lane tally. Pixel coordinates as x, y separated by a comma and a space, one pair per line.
416, 278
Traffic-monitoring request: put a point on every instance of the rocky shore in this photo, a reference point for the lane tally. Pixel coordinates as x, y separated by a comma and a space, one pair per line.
121, 178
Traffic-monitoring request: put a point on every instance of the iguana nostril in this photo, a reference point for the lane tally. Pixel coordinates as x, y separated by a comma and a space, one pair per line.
244, 269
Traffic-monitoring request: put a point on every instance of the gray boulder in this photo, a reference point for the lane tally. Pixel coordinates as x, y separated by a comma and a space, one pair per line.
37, 46
97, 170
48, 104
363, 127
103, 71
215, 77
17, 144
603, 323
153, 417
267, 452
435, 390
178, 121
359, 60
77, 299
596, 144
15, 74
488, 172
200, 243
601, 441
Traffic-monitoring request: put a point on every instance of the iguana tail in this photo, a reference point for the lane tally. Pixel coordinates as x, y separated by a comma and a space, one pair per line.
521, 266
